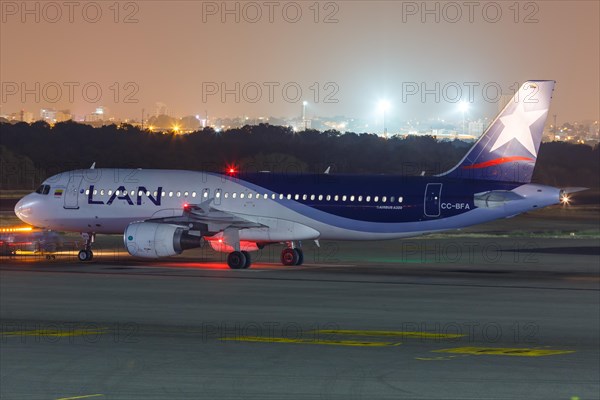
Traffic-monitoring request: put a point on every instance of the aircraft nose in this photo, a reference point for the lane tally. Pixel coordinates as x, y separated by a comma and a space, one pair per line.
25, 208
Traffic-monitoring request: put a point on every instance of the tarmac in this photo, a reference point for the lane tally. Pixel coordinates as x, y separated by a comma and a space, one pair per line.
469, 316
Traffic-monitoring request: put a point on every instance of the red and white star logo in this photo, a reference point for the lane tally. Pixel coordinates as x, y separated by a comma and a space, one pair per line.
516, 126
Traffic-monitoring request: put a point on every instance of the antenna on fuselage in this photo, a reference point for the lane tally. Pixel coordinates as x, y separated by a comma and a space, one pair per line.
93, 165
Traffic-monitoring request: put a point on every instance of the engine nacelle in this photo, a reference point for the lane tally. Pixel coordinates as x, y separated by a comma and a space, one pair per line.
154, 240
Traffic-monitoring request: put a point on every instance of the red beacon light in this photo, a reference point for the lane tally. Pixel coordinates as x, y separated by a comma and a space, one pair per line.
231, 170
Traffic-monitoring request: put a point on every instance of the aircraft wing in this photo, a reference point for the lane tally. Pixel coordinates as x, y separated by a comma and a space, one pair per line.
208, 220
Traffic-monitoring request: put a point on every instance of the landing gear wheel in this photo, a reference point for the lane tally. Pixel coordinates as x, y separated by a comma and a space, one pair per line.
85, 255
248, 262
300, 256
290, 256
236, 260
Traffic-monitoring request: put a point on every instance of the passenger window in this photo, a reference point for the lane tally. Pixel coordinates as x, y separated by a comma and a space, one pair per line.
241, 195
304, 197
297, 197
95, 192
218, 195
320, 197
164, 194
344, 197
87, 192
359, 198
178, 194
312, 196
234, 195
186, 194
133, 192
281, 197
383, 199
289, 196
249, 195
226, 195
328, 197
170, 194
368, 199
392, 199
376, 199
101, 192
336, 197
193, 194
351, 198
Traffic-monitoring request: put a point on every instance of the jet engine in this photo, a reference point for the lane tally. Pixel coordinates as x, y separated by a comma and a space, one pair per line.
154, 240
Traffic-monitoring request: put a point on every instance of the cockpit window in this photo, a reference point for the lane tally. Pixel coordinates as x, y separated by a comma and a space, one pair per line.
44, 189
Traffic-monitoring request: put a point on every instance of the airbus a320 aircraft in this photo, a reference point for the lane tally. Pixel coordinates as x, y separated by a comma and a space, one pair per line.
164, 212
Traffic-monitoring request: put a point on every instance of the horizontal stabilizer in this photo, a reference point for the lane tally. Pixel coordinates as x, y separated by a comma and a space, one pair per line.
569, 190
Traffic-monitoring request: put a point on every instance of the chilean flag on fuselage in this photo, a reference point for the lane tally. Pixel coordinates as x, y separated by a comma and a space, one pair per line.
508, 149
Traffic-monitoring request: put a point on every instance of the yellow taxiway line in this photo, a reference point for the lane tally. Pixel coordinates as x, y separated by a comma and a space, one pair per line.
504, 351
403, 334
310, 341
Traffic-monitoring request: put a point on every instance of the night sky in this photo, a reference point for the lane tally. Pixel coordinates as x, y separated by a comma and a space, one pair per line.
344, 56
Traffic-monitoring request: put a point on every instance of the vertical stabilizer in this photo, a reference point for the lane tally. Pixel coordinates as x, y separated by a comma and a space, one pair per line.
507, 151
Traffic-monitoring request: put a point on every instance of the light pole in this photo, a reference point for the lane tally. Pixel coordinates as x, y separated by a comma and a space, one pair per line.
464, 107
304, 104
384, 105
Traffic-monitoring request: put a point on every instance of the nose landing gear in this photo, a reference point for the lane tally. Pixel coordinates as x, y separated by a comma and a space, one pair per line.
86, 253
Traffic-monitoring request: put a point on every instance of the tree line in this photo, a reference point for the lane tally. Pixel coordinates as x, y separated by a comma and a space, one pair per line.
31, 152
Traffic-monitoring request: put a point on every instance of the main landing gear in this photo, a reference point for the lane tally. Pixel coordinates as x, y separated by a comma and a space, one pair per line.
292, 256
239, 260
86, 253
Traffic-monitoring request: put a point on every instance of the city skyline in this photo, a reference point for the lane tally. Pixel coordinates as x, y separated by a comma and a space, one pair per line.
266, 58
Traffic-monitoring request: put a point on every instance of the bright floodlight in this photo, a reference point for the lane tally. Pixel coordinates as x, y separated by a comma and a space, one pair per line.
463, 106
305, 103
383, 105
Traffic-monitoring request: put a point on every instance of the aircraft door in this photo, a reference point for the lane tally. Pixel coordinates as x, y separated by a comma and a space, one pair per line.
72, 192
433, 193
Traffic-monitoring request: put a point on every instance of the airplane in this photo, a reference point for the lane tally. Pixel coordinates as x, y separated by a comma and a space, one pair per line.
161, 213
